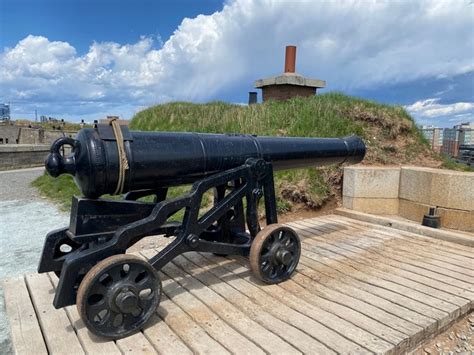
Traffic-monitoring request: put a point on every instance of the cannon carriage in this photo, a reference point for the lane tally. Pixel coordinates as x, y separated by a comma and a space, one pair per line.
117, 293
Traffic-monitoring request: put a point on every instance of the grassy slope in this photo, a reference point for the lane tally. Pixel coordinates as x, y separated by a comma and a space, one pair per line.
389, 132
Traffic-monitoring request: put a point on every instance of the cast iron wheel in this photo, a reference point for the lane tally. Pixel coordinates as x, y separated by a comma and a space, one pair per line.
118, 296
275, 253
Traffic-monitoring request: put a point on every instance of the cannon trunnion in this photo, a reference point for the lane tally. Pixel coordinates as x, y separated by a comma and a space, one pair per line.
117, 293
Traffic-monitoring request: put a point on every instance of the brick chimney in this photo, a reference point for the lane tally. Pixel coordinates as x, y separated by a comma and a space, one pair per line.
289, 84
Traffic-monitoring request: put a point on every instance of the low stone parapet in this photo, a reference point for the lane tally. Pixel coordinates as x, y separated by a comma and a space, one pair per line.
18, 156
410, 191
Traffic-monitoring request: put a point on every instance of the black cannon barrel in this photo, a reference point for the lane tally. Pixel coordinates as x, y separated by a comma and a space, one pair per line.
164, 159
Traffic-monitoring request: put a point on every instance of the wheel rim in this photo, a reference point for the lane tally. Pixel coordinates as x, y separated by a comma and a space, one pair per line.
278, 254
119, 296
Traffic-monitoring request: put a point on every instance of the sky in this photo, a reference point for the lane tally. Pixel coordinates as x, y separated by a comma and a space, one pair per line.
86, 59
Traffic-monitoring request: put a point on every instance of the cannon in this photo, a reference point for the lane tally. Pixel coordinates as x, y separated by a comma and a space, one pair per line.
116, 293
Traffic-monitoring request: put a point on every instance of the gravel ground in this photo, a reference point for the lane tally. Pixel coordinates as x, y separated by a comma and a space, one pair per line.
25, 219
457, 339
15, 184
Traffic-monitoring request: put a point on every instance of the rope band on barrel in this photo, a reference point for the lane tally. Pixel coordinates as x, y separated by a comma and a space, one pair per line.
123, 161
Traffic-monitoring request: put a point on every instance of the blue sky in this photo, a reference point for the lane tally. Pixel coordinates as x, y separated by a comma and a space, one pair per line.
90, 58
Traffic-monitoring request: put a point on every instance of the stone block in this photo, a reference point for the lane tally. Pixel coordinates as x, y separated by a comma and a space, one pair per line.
415, 184
381, 206
453, 189
412, 210
437, 187
450, 218
371, 182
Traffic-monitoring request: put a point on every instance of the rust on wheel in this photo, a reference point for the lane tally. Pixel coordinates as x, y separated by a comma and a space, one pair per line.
118, 296
275, 253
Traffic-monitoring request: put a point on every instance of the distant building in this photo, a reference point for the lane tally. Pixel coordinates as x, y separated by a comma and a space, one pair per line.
434, 135
466, 154
4, 112
462, 134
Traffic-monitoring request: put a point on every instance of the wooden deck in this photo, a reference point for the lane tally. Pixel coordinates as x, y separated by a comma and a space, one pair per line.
358, 288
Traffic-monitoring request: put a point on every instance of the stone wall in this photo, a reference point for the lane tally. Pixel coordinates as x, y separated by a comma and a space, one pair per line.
9, 134
410, 191
25, 135
19, 156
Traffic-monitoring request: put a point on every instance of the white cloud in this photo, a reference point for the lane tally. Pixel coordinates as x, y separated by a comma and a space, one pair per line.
431, 108
351, 44
430, 111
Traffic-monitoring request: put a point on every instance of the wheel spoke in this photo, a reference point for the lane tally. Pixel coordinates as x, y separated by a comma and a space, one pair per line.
280, 235
99, 289
115, 274
133, 273
265, 256
284, 239
98, 313
266, 267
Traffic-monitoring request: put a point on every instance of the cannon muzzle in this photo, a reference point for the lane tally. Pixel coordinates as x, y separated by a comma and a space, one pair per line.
164, 159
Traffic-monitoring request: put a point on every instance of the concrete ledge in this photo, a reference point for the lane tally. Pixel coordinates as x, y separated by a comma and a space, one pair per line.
450, 218
8, 148
372, 182
372, 205
408, 227
290, 79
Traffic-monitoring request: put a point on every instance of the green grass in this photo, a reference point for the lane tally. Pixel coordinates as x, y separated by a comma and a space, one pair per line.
450, 163
389, 132
59, 190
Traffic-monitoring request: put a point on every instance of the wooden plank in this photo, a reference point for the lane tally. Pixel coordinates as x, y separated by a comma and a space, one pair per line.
320, 330
333, 278
201, 269
414, 301
90, 342
446, 246
57, 330
205, 317
346, 242
352, 331
428, 321
356, 243
235, 318
24, 327
399, 340
458, 269
165, 341
188, 330
435, 308
192, 334
136, 344
415, 332
159, 333
431, 250
361, 270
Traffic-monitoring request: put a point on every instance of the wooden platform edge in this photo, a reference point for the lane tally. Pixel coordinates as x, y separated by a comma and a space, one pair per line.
406, 226
22, 318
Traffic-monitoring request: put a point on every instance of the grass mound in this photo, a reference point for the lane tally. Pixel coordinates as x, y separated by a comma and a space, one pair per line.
390, 134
